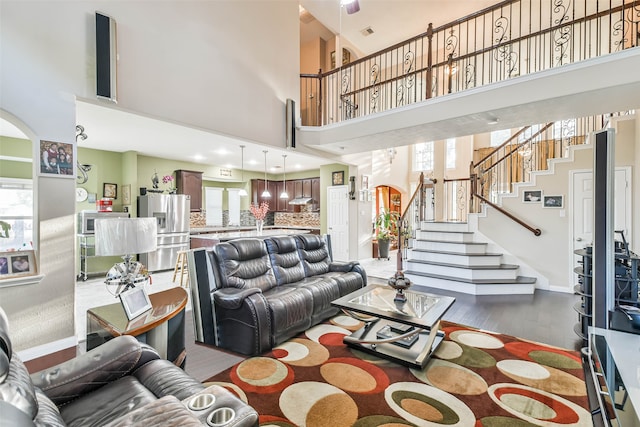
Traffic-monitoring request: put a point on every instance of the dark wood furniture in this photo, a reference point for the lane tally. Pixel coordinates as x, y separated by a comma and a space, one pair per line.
162, 327
190, 182
296, 188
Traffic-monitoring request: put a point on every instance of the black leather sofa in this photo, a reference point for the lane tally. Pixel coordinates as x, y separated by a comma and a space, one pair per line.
250, 295
121, 382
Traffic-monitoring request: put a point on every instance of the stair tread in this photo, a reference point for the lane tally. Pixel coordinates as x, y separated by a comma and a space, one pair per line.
446, 231
467, 267
523, 280
450, 241
444, 222
455, 253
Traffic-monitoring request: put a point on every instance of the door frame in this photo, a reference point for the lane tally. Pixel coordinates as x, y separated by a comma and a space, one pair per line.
348, 240
628, 214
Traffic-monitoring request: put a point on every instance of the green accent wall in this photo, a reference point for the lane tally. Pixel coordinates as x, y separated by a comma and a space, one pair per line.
20, 148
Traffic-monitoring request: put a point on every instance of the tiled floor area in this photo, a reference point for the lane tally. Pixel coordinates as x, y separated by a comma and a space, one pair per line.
94, 292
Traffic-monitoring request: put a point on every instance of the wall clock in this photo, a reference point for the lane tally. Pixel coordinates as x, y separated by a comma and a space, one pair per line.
81, 194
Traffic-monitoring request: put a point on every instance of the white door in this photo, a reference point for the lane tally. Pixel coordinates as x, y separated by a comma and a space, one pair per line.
338, 221
582, 218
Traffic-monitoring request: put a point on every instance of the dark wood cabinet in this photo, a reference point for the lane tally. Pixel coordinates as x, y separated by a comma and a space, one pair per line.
306, 187
257, 188
296, 188
190, 182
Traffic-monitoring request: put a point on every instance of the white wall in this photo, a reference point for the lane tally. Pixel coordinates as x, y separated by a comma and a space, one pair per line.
550, 253
226, 66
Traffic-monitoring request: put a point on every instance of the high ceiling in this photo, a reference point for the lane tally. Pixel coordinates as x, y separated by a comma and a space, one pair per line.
391, 21
580, 92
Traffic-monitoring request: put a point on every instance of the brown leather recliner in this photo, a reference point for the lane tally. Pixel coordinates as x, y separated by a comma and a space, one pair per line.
122, 382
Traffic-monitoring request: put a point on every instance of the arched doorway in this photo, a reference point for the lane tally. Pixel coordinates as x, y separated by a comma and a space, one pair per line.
387, 199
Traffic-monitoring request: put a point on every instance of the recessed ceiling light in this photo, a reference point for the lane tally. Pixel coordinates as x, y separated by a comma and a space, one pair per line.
253, 162
493, 121
198, 157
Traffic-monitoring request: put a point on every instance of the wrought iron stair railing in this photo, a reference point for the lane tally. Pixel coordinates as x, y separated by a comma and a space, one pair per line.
510, 39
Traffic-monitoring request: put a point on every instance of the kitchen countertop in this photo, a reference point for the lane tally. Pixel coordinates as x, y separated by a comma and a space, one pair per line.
250, 232
209, 230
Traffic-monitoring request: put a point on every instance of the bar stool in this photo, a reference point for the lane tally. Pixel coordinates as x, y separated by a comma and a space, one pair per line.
182, 268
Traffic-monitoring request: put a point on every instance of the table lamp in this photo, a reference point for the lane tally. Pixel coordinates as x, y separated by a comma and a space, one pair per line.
126, 237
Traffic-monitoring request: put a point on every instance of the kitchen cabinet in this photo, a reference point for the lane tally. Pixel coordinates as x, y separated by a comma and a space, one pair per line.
257, 188
190, 182
297, 193
306, 187
296, 188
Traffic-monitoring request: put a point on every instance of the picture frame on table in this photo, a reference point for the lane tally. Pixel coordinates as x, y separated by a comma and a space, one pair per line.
110, 190
532, 196
135, 302
126, 194
57, 159
337, 178
17, 264
553, 202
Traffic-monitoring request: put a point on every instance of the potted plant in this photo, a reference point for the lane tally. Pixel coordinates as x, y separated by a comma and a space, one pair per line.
385, 231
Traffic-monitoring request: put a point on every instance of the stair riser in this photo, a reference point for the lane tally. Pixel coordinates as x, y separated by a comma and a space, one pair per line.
473, 289
444, 226
464, 273
469, 261
444, 237
450, 247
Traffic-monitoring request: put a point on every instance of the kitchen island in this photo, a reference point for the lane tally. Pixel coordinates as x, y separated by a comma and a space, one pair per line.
209, 239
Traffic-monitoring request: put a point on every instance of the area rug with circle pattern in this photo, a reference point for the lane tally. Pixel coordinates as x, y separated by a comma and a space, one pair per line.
475, 378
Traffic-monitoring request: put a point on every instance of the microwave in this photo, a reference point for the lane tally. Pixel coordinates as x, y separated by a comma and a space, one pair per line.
87, 220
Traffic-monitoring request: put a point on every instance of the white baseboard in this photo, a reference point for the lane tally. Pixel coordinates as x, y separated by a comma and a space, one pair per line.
44, 349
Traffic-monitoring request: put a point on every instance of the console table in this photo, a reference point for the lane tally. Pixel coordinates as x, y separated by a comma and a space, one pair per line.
162, 327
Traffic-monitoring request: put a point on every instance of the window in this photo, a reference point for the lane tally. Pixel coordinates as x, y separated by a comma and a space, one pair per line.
529, 132
214, 206
564, 129
451, 153
423, 156
498, 137
16, 214
234, 206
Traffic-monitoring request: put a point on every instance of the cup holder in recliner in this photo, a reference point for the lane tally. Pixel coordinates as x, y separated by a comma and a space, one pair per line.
201, 402
221, 417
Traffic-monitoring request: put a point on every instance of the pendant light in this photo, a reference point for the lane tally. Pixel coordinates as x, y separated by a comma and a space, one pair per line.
265, 193
284, 194
242, 192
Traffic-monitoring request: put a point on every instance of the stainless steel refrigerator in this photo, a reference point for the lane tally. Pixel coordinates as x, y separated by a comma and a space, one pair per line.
171, 212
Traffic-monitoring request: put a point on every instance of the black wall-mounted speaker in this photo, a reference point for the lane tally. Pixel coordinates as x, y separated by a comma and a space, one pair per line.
106, 51
291, 123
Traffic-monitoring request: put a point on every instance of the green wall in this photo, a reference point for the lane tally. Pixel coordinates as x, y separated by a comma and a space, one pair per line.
15, 147
137, 171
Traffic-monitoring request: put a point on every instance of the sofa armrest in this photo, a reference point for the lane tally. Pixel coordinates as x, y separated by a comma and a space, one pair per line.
89, 371
232, 298
342, 266
167, 411
348, 266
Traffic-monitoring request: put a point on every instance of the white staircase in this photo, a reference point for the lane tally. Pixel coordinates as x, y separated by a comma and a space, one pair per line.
444, 255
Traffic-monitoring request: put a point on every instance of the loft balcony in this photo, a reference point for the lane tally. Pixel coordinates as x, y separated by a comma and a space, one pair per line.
515, 63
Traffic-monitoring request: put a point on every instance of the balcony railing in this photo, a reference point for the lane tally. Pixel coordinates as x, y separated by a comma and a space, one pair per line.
510, 39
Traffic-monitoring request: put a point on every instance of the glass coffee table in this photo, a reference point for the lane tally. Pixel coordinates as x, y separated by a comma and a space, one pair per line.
405, 332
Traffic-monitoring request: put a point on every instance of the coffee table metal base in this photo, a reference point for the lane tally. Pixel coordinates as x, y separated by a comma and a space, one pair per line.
416, 356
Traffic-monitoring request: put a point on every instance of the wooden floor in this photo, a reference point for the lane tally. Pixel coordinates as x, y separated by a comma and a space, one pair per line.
546, 317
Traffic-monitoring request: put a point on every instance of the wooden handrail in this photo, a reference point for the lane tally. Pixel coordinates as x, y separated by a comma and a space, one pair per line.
503, 158
535, 231
501, 146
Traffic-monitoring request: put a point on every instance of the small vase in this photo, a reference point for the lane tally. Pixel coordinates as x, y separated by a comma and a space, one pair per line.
259, 225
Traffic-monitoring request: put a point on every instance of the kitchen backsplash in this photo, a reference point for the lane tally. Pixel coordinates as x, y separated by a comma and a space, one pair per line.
297, 219
282, 219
